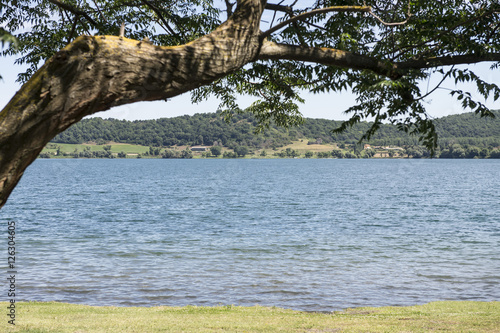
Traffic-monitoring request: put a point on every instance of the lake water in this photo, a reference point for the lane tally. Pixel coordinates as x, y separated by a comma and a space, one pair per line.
315, 235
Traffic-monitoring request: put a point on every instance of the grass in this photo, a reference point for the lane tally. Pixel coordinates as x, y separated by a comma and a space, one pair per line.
115, 148
437, 316
302, 146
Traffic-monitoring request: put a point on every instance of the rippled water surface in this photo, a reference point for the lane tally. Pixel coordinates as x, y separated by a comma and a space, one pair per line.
305, 234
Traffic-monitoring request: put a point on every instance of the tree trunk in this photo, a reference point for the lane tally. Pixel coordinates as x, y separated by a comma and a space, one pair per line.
95, 73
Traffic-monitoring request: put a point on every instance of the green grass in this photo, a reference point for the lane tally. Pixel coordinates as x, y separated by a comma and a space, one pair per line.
115, 148
302, 146
437, 316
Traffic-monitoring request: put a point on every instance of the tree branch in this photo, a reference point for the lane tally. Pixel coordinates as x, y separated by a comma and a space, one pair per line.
389, 24
316, 12
339, 58
325, 56
73, 10
446, 61
279, 8
229, 8
73, 27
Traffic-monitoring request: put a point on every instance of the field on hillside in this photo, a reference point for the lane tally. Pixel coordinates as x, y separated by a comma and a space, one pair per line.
302, 147
115, 148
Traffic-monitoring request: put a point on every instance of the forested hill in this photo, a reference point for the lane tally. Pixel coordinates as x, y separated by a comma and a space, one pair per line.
210, 128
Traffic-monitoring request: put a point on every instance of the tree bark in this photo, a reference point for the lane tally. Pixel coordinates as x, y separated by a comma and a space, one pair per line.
95, 73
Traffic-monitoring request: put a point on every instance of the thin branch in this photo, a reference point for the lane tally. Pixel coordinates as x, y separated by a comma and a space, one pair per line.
160, 16
389, 24
73, 27
272, 21
299, 35
316, 26
316, 12
279, 8
446, 61
229, 7
73, 10
99, 10
437, 86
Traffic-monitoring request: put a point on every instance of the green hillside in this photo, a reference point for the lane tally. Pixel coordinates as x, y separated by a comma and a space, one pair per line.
210, 128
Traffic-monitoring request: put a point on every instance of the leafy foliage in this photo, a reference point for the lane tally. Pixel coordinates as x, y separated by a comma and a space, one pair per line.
7, 38
211, 129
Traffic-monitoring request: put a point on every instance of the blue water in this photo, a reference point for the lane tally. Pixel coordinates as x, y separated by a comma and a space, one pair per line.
316, 235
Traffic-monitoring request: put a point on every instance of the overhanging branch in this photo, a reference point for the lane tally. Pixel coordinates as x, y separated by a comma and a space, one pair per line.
344, 59
326, 56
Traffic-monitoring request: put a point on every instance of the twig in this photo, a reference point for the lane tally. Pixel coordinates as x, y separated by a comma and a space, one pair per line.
99, 10
229, 7
437, 86
73, 10
389, 24
73, 27
160, 16
316, 12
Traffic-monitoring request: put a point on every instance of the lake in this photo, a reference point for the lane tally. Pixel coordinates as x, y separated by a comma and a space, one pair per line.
314, 235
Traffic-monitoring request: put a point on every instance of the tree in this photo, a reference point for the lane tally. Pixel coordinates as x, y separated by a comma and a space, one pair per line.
495, 153
170, 153
382, 49
337, 153
216, 150
186, 153
241, 151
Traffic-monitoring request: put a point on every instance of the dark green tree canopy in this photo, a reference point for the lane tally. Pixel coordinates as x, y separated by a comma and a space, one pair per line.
381, 50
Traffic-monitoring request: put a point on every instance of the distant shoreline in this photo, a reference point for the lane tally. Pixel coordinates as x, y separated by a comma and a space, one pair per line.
297, 149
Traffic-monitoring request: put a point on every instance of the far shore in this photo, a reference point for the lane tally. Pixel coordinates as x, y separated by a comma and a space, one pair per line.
297, 150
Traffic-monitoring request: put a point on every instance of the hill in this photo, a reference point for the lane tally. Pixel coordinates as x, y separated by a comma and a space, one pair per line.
210, 129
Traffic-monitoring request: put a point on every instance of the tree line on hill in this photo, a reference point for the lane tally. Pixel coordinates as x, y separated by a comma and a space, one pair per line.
475, 135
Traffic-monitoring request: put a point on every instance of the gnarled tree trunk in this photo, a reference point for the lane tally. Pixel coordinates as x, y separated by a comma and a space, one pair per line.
95, 73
